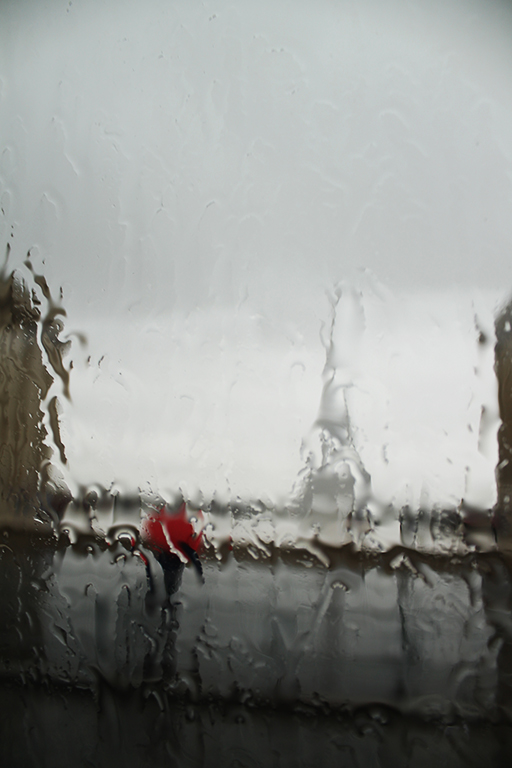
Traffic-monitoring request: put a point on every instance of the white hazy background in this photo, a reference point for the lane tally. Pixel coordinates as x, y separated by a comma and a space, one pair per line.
199, 177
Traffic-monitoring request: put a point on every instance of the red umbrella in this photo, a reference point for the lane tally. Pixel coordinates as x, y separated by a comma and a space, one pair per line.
168, 534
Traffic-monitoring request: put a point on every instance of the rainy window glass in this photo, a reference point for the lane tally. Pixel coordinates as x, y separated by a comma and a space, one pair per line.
256, 378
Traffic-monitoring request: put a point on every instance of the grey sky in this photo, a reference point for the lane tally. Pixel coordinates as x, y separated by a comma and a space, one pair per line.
169, 158
255, 138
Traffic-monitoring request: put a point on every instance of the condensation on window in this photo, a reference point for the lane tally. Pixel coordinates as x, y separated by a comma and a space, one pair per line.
255, 393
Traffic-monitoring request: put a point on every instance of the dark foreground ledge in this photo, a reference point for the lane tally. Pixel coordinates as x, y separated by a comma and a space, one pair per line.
55, 726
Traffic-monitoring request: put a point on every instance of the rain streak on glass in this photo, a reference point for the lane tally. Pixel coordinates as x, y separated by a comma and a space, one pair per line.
255, 390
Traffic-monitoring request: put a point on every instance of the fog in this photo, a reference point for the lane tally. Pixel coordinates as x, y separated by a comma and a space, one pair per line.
202, 178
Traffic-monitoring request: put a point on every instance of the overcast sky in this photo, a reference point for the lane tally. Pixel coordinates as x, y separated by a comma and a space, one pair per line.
199, 176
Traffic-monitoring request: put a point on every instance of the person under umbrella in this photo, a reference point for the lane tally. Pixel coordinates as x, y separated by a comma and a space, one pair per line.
168, 535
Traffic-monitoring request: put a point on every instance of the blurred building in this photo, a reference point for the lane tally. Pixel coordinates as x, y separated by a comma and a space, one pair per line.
503, 367
27, 487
